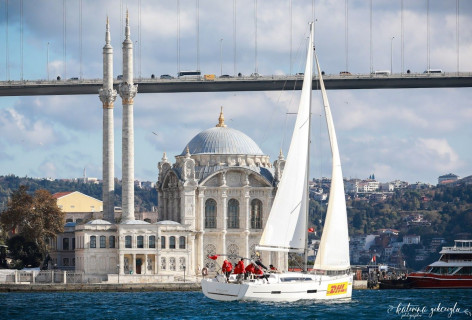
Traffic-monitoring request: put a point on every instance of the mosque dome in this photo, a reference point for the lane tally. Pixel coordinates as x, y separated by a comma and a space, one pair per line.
98, 221
167, 222
222, 140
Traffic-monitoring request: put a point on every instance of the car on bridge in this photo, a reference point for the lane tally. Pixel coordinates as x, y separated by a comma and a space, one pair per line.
344, 73
166, 76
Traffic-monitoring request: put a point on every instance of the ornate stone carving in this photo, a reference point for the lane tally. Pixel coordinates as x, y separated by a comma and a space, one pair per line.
172, 264
233, 252
107, 97
210, 250
128, 92
181, 263
189, 169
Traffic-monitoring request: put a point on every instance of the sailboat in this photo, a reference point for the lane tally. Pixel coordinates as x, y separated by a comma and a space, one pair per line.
286, 227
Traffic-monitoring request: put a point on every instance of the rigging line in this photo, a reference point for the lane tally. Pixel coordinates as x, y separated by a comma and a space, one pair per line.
80, 39
178, 36
291, 27
7, 51
139, 37
457, 34
346, 34
402, 38
197, 4
298, 55
21, 40
371, 50
234, 36
64, 31
427, 35
313, 18
255, 37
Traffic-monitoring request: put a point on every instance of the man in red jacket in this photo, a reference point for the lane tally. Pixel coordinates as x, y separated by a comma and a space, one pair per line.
249, 270
239, 269
227, 268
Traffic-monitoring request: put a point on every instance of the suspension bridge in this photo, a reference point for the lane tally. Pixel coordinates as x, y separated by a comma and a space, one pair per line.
346, 80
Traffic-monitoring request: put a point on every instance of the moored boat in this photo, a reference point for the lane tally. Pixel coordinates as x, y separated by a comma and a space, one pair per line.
452, 270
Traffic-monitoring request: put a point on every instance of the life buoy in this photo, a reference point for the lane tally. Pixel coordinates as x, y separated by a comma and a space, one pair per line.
205, 271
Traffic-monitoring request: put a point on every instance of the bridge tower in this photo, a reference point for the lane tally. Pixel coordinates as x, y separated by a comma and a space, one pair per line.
108, 95
128, 91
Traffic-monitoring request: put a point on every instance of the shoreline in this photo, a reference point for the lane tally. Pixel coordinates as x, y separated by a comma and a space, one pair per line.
100, 287
114, 287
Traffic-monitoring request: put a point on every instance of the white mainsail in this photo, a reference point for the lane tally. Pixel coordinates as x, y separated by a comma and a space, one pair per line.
285, 229
333, 252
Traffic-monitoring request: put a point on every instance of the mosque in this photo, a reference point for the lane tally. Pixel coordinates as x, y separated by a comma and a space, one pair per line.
213, 200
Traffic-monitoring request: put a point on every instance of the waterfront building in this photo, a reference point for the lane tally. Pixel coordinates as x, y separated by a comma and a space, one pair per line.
215, 199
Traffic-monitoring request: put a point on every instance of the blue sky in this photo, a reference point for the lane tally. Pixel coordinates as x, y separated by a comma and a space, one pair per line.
409, 134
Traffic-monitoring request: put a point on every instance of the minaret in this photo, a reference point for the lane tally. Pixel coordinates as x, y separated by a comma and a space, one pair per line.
108, 95
127, 92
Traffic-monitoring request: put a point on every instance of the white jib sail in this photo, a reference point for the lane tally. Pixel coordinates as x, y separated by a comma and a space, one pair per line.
285, 229
333, 252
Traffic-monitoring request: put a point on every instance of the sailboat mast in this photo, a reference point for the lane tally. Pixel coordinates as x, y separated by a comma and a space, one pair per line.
307, 188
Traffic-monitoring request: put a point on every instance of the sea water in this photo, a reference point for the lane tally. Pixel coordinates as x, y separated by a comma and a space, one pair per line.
365, 304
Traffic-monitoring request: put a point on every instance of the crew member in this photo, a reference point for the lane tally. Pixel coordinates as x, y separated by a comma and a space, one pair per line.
249, 270
239, 269
227, 268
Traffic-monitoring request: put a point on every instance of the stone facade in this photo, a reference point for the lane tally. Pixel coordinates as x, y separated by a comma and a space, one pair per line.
224, 198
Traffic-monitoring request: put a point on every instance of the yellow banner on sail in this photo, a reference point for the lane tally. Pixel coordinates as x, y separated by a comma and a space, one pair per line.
336, 288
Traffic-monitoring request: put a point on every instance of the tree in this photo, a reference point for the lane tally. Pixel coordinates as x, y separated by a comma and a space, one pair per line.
23, 253
36, 218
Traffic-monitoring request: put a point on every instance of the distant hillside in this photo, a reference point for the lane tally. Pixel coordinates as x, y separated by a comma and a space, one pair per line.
442, 211
145, 199
446, 209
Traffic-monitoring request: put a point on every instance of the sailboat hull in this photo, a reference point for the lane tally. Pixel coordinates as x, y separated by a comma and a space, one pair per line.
285, 287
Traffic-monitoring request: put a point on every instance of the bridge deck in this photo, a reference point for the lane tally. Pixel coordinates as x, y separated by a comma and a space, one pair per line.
263, 83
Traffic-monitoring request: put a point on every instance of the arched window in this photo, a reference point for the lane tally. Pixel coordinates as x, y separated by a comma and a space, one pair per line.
210, 213
103, 242
163, 242
233, 214
128, 242
93, 241
256, 214
172, 242
182, 242
152, 241
140, 242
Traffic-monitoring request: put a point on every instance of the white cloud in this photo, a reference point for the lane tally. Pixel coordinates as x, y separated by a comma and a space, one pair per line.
413, 134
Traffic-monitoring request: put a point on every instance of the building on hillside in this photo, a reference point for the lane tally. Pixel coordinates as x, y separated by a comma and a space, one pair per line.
411, 239
447, 178
398, 184
387, 187
368, 186
79, 207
